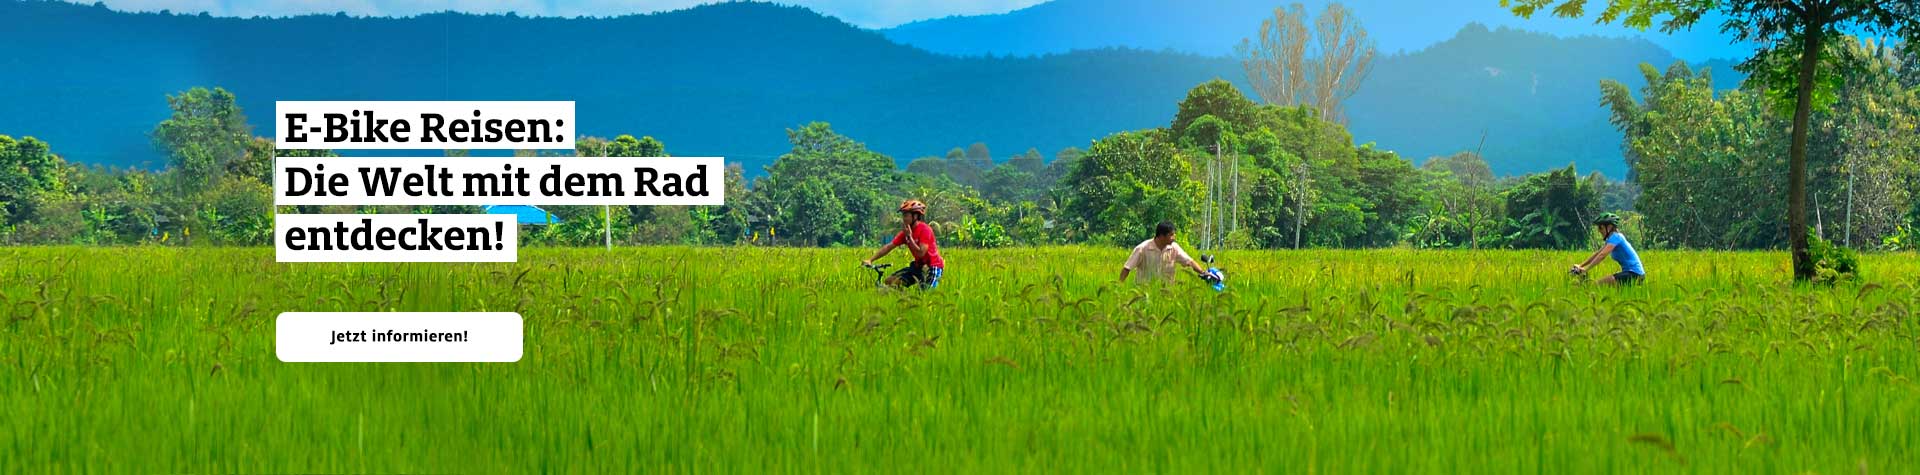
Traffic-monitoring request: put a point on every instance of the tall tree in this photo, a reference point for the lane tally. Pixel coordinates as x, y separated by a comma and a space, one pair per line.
1322, 68
824, 165
588, 146
27, 169
1691, 150
1061, 164
1551, 210
1466, 167
257, 161
1345, 58
206, 132
1464, 211
650, 224
1791, 27
980, 155
1126, 183
1861, 155
1006, 182
964, 166
928, 166
1277, 64
731, 222
627, 146
1031, 162
1393, 192
1217, 98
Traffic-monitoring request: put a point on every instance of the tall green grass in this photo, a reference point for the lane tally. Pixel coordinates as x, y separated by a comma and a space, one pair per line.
1033, 360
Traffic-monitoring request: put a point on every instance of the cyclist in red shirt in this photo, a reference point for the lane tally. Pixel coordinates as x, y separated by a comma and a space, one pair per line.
918, 238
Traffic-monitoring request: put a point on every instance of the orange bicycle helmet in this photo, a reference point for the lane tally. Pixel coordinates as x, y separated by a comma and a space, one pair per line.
913, 206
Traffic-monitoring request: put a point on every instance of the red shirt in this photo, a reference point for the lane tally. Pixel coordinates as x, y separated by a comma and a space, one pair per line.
923, 234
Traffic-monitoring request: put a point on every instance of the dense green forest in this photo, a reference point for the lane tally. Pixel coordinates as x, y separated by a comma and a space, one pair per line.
1707, 172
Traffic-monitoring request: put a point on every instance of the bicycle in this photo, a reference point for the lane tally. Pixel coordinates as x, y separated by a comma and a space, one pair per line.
1215, 276
879, 274
1579, 275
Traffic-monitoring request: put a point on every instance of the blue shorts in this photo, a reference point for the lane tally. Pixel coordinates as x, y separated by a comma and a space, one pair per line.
926, 277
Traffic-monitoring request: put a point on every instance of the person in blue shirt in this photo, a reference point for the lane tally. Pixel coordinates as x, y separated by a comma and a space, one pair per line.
1616, 246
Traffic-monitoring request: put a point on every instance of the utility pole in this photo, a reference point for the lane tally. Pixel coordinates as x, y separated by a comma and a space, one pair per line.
1218, 189
1849, 239
1235, 164
1299, 200
1213, 195
1819, 222
1206, 211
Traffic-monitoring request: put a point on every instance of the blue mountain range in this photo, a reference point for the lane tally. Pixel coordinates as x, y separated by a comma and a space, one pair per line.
1213, 27
728, 79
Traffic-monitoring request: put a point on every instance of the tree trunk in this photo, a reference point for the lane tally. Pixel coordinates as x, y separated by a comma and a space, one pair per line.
1797, 155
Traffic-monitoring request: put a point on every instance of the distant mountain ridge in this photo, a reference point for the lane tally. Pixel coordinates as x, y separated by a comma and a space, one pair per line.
92, 82
1533, 96
1213, 27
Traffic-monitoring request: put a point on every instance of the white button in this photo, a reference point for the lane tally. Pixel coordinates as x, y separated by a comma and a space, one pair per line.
400, 337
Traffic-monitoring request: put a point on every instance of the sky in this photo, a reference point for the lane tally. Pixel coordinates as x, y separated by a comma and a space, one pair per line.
863, 13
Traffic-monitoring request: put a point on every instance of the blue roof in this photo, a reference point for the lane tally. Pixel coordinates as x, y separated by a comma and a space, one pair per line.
524, 214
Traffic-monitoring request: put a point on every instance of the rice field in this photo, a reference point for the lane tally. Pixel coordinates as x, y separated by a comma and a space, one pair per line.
1026, 360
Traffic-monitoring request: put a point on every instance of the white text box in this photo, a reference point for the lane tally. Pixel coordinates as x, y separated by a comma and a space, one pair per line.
396, 238
480, 181
423, 125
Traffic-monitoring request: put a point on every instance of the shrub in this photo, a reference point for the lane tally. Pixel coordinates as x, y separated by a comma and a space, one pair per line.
1902, 239
1831, 263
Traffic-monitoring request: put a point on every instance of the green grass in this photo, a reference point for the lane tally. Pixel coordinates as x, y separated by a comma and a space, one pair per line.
755, 360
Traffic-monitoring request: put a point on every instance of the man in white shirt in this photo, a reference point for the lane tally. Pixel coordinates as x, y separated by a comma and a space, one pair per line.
1159, 258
